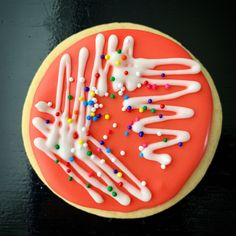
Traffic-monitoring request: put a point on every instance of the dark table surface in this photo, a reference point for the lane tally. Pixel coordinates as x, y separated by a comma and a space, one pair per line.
29, 30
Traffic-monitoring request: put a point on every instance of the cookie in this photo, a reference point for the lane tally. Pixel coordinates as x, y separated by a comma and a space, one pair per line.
121, 121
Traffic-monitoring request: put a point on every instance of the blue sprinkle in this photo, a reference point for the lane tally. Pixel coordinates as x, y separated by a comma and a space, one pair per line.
91, 102
129, 127
86, 89
126, 97
71, 159
140, 134
95, 118
149, 100
88, 117
129, 108
102, 56
141, 154
126, 133
108, 150
180, 144
163, 75
47, 121
101, 142
160, 116
99, 115
85, 103
115, 171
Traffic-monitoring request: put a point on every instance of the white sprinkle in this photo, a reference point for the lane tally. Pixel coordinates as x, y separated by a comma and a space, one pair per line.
72, 150
106, 94
93, 109
140, 148
49, 104
113, 159
143, 183
102, 161
163, 166
81, 79
120, 93
101, 105
123, 109
105, 137
99, 174
83, 129
138, 73
85, 145
96, 105
122, 152
139, 85
92, 157
93, 88
122, 89
119, 85
114, 125
96, 91
71, 79
159, 133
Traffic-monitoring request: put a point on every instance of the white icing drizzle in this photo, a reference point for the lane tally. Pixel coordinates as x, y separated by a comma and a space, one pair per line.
103, 173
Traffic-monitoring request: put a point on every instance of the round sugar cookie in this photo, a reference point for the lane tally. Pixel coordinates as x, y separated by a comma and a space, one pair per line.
121, 121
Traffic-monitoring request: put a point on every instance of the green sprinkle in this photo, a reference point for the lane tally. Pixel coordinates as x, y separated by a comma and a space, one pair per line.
144, 108
57, 146
88, 185
153, 110
165, 140
109, 188
70, 178
70, 97
114, 194
112, 95
112, 79
57, 161
89, 153
119, 50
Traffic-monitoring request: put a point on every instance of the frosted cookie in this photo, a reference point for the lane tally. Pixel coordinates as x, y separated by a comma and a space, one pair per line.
121, 121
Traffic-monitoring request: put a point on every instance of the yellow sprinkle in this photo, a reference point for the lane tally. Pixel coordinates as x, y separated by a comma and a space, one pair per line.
119, 174
140, 109
107, 57
81, 98
92, 93
80, 141
69, 120
92, 114
117, 62
107, 117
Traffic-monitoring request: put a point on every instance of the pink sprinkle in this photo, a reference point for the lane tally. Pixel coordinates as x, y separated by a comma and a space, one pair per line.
136, 119
99, 149
90, 174
144, 145
149, 86
167, 86
154, 86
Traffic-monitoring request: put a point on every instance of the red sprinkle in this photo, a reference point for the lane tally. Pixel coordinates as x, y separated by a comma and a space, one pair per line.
120, 184
154, 86
75, 135
149, 86
123, 57
97, 75
68, 170
109, 131
145, 145
67, 164
90, 174
57, 113
162, 106
126, 72
145, 82
99, 149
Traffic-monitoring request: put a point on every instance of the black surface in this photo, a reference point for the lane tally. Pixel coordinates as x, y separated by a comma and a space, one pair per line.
29, 30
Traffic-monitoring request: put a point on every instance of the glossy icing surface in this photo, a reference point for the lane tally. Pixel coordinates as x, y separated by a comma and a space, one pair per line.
163, 184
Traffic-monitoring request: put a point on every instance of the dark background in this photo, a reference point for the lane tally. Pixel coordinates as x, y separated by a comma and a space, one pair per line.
29, 30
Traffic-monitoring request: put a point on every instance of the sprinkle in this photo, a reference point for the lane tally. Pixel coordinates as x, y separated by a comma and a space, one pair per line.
109, 188
81, 141
93, 109
96, 105
57, 146
89, 153
57, 161
75, 135
100, 105
102, 161
126, 133
129, 108
145, 82
122, 152
86, 89
141, 154
90, 102
119, 50
47, 121
105, 137
154, 86
120, 93
107, 117
97, 75
99, 174
112, 79
129, 127
109, 131
67, 164
163, 166
88, 117
163, 75
139, 85
126, 72
153, 110
108, 150
113, 159
92, 114
123, 109
69, 120
107, 57
138, 74
140, 109
120, 184
68, 170
99, 149
57, 113
144, 108
106, 94
117, 63
162, 106
70, 97
92, 93
99, 115
71, 159
88, 186
92, 157
85, 103
114, 125
112, 95
115, 171
149, 100
144, 145
71, 79
160, 116
49, 104
101, 142
90, 174
180, 144
126, 97
114, 194
167, 86
165, 140
159, 133
149, 86
143, 183
119, 174
140, 134
72, 150
83, 129
102, 56
70, 178
140, 148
